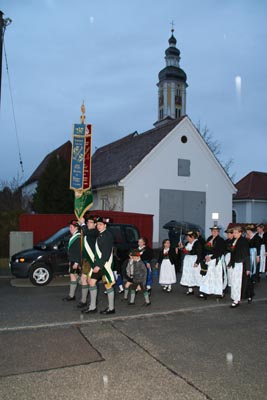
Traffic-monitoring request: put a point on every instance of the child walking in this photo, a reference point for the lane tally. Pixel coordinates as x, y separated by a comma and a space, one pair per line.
136, 275
166, 261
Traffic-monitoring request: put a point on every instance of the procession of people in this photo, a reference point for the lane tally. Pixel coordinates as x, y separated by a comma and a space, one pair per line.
211, 267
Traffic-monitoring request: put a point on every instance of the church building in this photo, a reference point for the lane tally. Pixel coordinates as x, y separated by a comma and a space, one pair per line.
168, 171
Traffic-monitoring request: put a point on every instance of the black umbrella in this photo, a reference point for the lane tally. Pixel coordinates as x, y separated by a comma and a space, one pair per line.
182, 226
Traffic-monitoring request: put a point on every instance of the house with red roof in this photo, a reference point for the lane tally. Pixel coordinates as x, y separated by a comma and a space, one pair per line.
250, 200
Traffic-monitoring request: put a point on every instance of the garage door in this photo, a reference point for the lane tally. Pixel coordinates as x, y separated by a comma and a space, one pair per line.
181, 205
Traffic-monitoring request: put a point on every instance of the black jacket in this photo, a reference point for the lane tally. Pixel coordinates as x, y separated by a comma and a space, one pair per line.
105, 245
256, 243
171, 256
240, 253
197, 250
218, 247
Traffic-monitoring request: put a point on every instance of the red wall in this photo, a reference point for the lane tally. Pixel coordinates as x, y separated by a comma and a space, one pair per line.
44, 225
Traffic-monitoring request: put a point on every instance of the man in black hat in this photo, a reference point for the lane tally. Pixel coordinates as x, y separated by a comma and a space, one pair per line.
102, 268
212, 282
74, 255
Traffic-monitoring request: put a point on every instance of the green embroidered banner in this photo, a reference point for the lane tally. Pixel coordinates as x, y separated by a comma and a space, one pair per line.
80, 172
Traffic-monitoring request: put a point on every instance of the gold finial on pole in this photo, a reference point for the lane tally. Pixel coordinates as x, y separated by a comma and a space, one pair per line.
83, 117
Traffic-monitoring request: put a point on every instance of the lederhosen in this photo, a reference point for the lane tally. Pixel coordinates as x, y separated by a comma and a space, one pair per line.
88, 250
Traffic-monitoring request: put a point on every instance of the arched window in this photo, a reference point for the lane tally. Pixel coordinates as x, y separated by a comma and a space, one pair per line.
234, 216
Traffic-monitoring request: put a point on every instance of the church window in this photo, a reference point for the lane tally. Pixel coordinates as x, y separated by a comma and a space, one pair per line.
177, 113
104, 202
184, 139
234, 216
183, 167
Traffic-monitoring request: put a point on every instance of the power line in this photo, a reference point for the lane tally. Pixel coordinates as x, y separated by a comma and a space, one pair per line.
13, 112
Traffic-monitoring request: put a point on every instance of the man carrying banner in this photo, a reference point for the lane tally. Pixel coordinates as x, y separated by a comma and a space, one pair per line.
102, 268
89, 235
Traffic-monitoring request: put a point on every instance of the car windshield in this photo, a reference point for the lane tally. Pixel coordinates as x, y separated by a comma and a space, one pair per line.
54, 238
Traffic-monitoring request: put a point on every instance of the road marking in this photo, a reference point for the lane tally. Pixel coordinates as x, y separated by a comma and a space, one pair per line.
80, 322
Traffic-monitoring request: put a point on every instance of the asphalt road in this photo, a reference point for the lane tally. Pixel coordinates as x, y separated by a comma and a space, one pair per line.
178, 348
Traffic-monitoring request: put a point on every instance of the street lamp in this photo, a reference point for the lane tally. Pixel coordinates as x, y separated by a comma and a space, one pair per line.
215, 218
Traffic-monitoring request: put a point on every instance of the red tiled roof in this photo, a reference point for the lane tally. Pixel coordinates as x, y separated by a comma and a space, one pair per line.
252, 186
114, 161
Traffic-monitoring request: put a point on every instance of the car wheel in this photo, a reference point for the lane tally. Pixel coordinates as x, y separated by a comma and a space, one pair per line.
40, 275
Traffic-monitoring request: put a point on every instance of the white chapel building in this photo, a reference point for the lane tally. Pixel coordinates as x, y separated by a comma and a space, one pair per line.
168, 171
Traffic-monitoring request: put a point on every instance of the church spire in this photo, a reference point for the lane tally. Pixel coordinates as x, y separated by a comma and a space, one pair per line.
172, 85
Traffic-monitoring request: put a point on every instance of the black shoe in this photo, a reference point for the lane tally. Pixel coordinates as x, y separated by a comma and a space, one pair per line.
130, 304
202, 296
107, 311
189, 292
88, 311
121, 291
147, 304
249, 300
68, 298
81, 304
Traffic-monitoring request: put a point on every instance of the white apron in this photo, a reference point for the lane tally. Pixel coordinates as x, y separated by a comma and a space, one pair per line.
212, 282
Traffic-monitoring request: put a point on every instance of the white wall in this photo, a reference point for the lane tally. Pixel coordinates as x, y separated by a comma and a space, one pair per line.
160, 170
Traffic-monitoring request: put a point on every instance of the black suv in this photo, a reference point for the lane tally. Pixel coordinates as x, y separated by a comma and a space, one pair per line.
49, 258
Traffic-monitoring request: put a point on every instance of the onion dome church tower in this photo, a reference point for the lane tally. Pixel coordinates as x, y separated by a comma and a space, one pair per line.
171, 86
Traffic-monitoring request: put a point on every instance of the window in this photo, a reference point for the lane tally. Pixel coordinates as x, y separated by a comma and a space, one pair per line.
131, 234
104, 203
116, 232
183, 167
234, 216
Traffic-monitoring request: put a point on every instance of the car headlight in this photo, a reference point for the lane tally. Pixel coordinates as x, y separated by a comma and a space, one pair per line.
20, 260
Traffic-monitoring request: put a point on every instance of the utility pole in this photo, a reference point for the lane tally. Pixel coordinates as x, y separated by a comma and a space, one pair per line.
3, 24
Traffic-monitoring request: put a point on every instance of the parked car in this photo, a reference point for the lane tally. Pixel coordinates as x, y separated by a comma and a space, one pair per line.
50, 257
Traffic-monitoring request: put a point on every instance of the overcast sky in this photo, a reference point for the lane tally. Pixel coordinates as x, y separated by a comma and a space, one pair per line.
109, 53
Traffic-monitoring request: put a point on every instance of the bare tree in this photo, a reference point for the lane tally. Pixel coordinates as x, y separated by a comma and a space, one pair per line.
215, 146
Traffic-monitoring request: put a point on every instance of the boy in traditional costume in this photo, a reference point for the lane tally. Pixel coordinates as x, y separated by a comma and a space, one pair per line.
136, 275
74, 255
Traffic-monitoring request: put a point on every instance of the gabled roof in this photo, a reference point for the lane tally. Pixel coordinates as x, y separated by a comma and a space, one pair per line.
64, 151
252, 186
113, 162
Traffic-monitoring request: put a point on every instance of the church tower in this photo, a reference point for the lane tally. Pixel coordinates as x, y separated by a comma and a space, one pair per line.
171, 86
